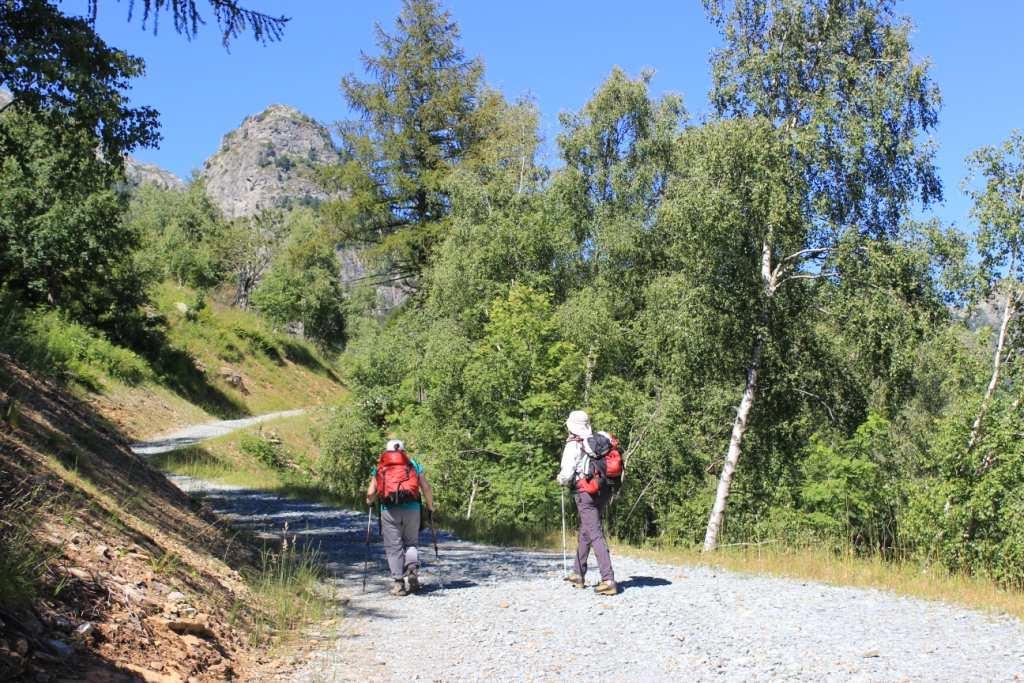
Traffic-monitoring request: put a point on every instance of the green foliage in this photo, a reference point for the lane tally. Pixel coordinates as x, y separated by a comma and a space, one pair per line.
839, 81
303, 284
269, 453
349, 447
23, 557
417, 122
50, 343
183, 235
61, 243
60, 70
843, 492
999, 210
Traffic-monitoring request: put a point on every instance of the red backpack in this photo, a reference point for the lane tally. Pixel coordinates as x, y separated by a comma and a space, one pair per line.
605, 464
397, 480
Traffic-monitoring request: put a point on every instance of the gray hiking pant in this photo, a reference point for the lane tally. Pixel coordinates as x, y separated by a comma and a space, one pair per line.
592, 535
400, 530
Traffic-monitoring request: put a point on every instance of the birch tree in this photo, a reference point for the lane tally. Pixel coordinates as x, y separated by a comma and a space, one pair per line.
999, 210
837, 80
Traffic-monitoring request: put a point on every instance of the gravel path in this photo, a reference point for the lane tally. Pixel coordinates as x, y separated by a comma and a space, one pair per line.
501, 614
189, 436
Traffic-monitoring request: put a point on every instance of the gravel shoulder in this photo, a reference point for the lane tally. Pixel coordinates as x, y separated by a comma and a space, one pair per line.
504, 614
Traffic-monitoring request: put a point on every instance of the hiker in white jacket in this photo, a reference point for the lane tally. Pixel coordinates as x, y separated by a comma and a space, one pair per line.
575, 466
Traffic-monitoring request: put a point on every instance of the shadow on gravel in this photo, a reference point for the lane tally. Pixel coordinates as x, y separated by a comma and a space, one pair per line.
643, 582
446, 586
340, 536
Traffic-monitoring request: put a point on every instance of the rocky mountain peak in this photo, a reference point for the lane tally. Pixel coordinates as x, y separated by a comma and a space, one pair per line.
140, 173
269, 161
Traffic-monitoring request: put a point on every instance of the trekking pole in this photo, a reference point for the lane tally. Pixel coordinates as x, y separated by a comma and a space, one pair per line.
433, 532
437, 556
366, 559
565, 561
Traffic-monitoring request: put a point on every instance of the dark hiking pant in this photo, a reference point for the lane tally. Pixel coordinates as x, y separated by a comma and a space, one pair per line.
592, 536
400, 531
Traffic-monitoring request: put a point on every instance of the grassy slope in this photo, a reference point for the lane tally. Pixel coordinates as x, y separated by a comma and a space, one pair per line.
68, 485
114, 537
277, 371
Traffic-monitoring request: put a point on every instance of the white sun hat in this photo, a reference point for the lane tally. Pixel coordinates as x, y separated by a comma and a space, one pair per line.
578, 424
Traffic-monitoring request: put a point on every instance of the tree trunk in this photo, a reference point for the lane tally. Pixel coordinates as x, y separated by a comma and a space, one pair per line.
589, 376
472, 497
739, 428
769, 278
997, 363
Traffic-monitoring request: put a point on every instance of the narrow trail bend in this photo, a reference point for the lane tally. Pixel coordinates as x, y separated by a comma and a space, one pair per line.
189, 436
490, 613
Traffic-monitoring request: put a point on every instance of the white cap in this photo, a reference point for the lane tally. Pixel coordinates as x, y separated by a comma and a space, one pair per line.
395, 445
578, 424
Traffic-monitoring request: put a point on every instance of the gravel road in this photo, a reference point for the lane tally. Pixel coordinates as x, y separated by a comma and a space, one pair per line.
500, 614
189, 436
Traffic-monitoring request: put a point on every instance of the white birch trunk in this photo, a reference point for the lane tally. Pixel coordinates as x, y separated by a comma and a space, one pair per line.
997, 364
472, 497
739, 429
739, 426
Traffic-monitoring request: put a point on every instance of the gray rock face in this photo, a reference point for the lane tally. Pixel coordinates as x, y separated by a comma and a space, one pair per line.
5, 98
140, 173
268, 162
355, 269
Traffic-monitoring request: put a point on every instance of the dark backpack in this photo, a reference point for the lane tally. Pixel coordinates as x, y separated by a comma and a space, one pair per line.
605, 465
397, 480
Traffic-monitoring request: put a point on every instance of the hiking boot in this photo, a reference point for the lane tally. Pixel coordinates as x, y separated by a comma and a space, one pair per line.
575, 579
398, 588
607, 588
412, 581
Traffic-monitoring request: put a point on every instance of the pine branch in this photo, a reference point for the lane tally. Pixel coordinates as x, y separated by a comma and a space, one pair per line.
232, 18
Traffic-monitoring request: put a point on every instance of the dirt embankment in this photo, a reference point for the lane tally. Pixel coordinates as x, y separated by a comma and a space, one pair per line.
111, 572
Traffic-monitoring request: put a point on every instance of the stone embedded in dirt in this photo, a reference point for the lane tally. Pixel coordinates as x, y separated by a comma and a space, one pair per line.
60, 648
233, 379
150, 676
871, 654
103, 552
194, 642
79, 573
60, 623
175, 596
32, 625
85, 631
192, 627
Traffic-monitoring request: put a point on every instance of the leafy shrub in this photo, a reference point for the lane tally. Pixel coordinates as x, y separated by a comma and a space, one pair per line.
267, 452
259, 342
348, 447
48, 342
843, 491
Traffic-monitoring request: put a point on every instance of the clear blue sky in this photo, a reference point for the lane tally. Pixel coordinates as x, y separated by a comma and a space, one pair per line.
555, 51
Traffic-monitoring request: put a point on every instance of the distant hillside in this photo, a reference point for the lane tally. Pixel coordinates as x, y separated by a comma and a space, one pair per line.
141, 173
269, 162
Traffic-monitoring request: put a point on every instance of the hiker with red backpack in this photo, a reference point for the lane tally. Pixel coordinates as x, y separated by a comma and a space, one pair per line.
591, 468
399, 484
